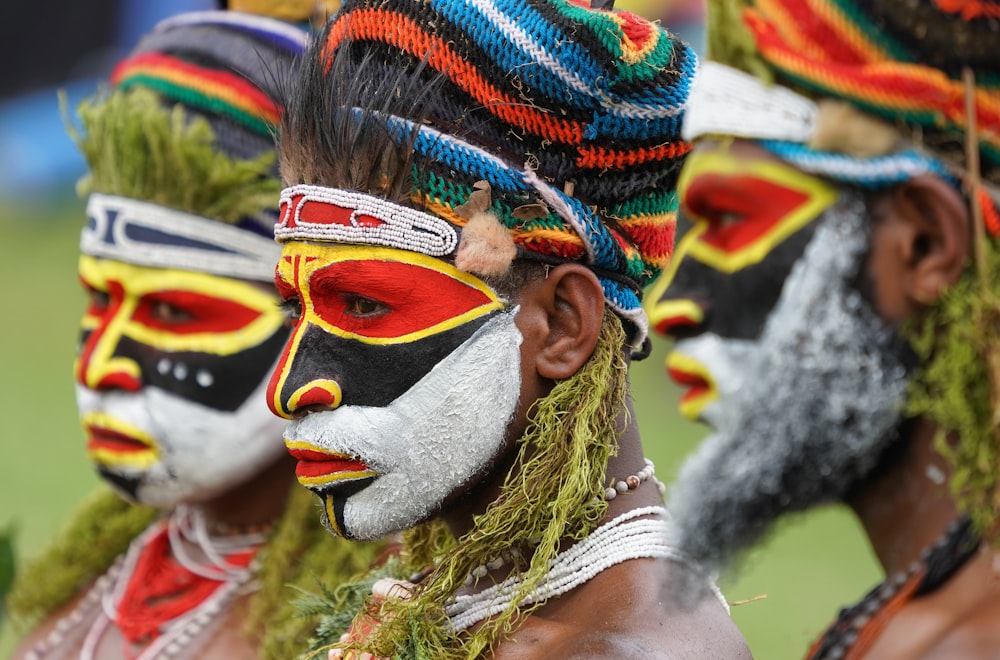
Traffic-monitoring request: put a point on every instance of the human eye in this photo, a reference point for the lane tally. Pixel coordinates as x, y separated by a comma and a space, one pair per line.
169, 313
292, 309
99, 300
363, 307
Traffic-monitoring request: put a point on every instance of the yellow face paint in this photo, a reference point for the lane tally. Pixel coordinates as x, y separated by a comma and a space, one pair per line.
412, 296
252, 315
743, 208
115, 444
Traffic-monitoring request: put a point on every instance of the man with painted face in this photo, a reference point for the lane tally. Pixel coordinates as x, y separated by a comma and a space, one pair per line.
833, 302
476, 194
181, 332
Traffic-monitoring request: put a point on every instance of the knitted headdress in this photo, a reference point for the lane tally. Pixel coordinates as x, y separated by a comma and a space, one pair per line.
887, 77
181, 151
570, 115
872, 94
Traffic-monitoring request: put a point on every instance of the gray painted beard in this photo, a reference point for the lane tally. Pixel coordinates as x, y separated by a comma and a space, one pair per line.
805, 411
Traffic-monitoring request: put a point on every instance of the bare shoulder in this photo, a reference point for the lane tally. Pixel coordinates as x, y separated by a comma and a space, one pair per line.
63, 642
977, 635
644, 608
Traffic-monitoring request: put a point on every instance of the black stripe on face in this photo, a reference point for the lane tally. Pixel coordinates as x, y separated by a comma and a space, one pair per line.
222, 382
369, 374
736, 305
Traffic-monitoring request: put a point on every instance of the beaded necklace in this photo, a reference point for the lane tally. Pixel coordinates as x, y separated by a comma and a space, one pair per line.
858, 626
123, 595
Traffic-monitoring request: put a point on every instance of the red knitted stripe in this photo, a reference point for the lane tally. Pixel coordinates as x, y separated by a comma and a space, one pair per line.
228, 87
898, 87
829, 42
654, 239
601, 158
409, 36
970, 9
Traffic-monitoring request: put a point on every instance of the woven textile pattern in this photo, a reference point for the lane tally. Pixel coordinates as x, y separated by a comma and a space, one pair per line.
868, 54
223, 66
553, 102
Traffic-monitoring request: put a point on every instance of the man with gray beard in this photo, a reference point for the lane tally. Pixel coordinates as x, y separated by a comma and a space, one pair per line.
834, 305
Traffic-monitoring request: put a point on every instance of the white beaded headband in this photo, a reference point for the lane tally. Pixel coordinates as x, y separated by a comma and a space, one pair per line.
315, 213
726, 101
145, 234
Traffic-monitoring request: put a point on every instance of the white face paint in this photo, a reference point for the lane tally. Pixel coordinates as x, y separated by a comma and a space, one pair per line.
439, 436
172, 450
804, 412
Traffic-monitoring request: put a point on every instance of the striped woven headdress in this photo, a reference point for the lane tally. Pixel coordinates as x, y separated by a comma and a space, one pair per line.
181, 149
894, 67
571, 116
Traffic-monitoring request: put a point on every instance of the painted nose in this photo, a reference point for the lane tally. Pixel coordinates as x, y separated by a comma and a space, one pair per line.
678, 317
316, 396
98, 367
290, 399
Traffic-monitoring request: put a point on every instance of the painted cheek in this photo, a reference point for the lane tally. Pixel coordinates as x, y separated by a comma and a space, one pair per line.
98, 365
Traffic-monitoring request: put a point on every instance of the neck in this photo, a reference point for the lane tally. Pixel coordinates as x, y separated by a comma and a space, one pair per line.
257, 502
628, 460
907, 506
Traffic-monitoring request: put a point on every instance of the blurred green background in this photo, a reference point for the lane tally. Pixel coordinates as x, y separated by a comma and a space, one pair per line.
810, 567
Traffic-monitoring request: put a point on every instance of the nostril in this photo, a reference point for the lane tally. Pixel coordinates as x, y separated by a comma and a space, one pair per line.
678, 318
302, 411
316, 396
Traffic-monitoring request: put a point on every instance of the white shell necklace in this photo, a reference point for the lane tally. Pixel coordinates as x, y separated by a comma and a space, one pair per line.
620, 540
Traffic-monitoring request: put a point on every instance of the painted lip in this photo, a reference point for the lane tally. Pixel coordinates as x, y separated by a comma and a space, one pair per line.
317, 468
695, 377
115, 449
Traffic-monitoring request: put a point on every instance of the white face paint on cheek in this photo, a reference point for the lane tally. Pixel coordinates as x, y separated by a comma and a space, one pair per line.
435, 438
203, 451
818, 399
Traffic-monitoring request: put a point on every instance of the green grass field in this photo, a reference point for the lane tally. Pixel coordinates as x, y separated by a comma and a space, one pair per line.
811, 566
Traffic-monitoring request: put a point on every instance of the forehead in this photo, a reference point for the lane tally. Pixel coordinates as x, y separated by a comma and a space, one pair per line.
143, 280
361, 264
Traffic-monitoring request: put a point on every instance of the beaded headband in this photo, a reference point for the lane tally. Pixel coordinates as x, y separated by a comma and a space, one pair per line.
315, 213
147, 234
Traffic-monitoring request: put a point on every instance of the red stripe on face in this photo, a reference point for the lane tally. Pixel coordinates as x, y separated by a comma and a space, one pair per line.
405, 298
186, 312
757, 204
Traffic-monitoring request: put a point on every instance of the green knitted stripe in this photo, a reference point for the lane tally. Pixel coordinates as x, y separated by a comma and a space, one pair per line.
876, 36
653, 203
199, 101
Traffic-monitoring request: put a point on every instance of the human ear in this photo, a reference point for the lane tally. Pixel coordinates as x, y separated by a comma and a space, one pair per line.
568, 306
920, 244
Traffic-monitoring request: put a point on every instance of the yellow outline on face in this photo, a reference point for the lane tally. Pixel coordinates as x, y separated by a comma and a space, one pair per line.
138, 281
330, 386
820, 197
658, 311
140, 459
691, 407
328, 507
324, 255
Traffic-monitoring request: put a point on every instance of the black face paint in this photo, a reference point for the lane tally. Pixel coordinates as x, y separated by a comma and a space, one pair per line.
222, 382
369, 374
